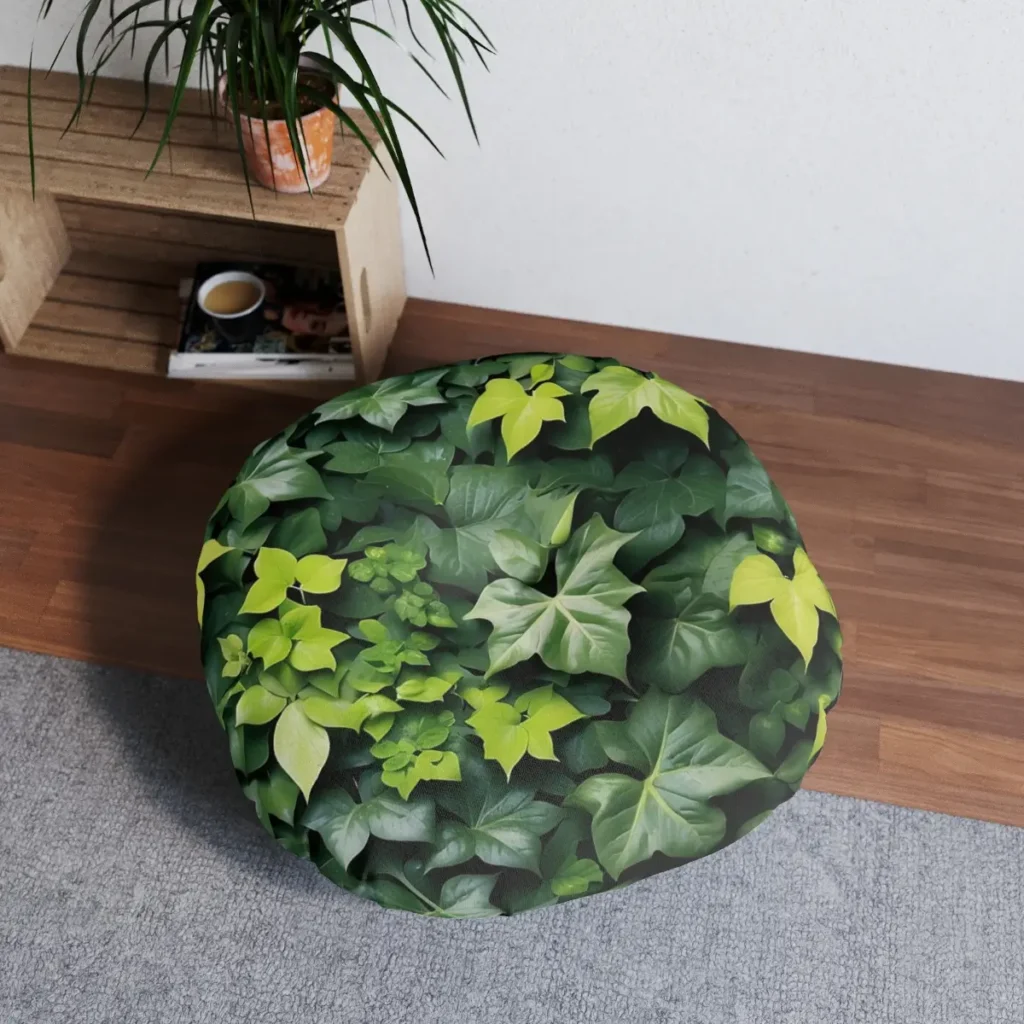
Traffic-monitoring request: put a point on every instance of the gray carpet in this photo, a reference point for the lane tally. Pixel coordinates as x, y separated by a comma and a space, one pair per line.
137, 886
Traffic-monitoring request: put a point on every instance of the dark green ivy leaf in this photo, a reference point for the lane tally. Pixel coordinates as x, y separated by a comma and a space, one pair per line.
250, 747
345, 825
581, 750
275, 795
574, 433
672, 654
352, 501
248, 538
467, 896
657, 502
481, 501
384, 403
750, 493
704, 563
359, 453
474, 441
475, 374
460, 897
417, 476
300, 533
674, 744
504, 830
593, 471
274, 472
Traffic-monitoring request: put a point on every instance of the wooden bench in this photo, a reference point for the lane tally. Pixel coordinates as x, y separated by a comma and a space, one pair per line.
90, 268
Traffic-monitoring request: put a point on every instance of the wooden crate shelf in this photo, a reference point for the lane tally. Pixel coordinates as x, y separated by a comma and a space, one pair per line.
89, 268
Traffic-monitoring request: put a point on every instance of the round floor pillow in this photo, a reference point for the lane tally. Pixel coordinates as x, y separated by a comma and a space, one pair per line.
492, 636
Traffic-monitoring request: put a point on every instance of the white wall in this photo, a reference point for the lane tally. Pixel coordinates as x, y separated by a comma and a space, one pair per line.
837, 176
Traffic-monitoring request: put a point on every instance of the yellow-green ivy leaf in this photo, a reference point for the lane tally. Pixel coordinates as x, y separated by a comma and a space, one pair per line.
281, 679
794, 602
522, 414
438, 766
545, 712
540, 372
505, 741
423, 690
429, 765
275, 573
539, 742
230, 645
380, 726
478, 697
226, 699
798, 619
210, 552
563, 527
403, 780
576, 876
375, 632
377, 704
380, 714
551, 515
622, 393
365, 678
333, 712
509, 732
822, 729
320, 574
757, 579
581, 364
236, 661
267, 641
301, 747
808, 584
312, 643
257, 706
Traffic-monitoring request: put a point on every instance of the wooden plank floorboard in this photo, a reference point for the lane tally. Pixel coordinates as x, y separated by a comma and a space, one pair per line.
908, 485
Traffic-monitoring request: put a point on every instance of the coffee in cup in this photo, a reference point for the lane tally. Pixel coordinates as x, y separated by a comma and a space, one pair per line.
233, 293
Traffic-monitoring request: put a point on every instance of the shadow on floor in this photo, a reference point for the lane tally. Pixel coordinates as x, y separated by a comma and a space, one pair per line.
176, 461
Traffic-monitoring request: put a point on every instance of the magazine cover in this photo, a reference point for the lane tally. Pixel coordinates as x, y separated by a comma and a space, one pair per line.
302, 316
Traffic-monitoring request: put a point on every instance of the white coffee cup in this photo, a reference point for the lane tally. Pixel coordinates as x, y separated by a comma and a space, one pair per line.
231, 277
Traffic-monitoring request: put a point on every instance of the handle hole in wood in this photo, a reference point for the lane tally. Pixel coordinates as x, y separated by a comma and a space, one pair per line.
364, 302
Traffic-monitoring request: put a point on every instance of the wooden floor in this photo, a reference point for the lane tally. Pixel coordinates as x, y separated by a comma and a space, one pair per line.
908, 486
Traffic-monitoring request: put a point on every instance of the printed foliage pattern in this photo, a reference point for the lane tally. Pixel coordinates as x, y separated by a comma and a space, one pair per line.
511, 632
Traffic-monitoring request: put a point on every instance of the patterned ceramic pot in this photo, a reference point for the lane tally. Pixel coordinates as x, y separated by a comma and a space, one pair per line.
270, 156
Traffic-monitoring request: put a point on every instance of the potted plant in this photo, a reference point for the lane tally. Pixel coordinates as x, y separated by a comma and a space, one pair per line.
255, 64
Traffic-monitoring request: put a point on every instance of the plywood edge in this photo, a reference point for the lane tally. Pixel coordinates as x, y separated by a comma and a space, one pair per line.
120, 94
121, 124
171, 193
106, 157
34, 248
183, 239
372, 269
94, 350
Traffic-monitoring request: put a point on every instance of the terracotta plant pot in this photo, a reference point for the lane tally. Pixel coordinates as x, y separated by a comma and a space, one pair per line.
269, 153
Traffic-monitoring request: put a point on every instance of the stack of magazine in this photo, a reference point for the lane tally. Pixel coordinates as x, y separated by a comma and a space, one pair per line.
300, 332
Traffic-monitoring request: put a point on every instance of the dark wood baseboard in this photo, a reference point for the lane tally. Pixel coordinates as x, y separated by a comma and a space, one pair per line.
908, 485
